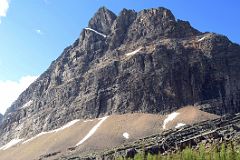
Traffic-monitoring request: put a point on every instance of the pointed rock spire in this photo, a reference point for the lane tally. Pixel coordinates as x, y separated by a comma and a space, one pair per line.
102, 20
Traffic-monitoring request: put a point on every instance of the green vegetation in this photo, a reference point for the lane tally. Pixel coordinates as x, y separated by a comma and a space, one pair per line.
217, 152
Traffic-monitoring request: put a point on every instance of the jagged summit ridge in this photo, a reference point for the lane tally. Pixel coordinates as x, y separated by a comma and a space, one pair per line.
148, 62
130, 26
144, 24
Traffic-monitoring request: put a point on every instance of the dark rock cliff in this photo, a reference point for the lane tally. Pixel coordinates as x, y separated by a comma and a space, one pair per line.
1, 118
147, 62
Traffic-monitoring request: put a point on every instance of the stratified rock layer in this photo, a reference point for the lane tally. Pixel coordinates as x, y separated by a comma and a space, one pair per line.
147, 62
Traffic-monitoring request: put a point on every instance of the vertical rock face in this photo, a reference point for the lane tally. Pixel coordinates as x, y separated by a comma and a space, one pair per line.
1, 118
147, 62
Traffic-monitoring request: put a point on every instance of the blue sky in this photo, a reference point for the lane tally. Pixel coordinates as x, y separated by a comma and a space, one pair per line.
34, 33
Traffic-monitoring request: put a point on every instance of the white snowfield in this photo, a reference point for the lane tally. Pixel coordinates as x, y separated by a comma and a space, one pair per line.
69, 124
11, 143
101, 34
29, 103
92, 131
134, 52
126, 135
169, 118
201, 39
179, 125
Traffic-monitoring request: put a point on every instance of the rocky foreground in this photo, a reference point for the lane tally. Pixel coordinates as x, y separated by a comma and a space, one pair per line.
84, 137
208, 133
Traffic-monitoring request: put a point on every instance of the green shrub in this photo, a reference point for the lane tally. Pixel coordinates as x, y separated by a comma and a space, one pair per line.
187, 154
139, 156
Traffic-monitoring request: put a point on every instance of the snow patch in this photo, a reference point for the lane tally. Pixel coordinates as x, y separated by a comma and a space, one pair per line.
69, 124
201, 39
126, 135
31, 139
29, 103
92, 131
11, 144
101, 34
169, 118
134, 52
180, 125
89, 120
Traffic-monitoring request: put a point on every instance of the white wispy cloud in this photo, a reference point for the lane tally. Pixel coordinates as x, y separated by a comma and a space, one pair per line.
38, 31
4, 5
10, 90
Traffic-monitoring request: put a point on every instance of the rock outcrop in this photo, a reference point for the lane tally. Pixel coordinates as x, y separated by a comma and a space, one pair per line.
143, 61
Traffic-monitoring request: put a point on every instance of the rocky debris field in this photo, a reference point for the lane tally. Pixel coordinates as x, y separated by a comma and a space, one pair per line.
224, 129
98, 135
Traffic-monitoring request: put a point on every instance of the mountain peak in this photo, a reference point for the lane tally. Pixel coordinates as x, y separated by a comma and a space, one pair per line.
102, 20
161, 22
161, 11
130, 25
103, 9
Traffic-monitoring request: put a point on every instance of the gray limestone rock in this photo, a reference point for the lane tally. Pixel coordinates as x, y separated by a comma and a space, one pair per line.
1, 118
